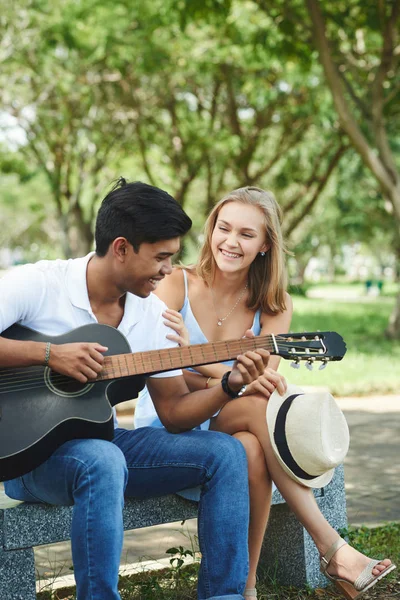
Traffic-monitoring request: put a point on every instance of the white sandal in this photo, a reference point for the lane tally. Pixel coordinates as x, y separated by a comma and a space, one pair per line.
364, 581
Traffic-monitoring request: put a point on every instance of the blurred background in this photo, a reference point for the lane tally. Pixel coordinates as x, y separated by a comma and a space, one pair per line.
199, 97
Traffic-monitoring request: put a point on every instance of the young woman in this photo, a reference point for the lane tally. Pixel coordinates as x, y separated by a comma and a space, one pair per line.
238, 284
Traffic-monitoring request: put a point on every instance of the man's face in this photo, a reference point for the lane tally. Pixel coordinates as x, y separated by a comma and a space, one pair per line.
142, 271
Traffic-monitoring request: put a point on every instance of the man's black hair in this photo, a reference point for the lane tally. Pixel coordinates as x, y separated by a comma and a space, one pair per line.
140, 213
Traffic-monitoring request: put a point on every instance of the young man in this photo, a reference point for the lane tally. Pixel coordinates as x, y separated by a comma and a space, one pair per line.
138, 230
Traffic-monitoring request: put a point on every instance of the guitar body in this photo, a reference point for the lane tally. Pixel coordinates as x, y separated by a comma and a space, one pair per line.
40, 409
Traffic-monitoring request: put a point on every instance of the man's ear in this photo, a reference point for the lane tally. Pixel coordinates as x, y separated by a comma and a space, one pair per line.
120, 248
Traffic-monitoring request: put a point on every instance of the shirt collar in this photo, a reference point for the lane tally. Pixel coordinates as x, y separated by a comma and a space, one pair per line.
76, 282
133, 311
78, 294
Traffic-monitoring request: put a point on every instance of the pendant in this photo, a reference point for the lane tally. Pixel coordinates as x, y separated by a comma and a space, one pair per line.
219, 322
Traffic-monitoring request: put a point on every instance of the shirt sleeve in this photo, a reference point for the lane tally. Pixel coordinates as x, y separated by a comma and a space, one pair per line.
21, 295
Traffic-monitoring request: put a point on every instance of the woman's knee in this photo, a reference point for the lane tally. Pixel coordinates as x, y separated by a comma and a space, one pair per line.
257, 466
226, 450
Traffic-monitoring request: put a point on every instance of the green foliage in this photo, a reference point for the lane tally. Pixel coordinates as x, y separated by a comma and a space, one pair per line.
198, 98
199, 109
28, 211
369, 364
177, 562
298, 289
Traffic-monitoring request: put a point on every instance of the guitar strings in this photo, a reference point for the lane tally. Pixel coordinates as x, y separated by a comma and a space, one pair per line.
6, 372
14, 379
113, 370
269, 346
13, 372
209, 354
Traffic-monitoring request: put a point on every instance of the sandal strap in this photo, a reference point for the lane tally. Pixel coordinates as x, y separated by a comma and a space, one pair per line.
366, 576
326, 559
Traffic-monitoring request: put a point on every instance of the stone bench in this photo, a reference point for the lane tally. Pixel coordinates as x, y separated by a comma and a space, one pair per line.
288, 555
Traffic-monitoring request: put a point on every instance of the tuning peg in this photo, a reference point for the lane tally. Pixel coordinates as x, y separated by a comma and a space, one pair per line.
295, 364
323, 365
309, 365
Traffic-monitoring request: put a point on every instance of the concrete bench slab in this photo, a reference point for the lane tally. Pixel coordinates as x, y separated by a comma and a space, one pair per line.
288, 555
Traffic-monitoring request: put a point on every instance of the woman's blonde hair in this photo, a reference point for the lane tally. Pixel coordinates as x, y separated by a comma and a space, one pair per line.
267, 279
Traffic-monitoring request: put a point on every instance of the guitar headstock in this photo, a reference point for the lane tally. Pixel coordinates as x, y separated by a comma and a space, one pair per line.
322, 346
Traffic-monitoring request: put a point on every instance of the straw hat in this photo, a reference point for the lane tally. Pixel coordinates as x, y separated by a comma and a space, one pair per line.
309, 434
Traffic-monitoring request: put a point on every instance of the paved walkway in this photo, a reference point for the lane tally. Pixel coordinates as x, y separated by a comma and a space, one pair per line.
372, 466
372, 470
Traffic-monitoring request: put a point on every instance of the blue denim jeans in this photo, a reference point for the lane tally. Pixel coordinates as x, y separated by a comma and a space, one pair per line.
93, 475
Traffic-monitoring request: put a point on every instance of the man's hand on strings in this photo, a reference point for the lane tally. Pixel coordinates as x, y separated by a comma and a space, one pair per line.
82, 361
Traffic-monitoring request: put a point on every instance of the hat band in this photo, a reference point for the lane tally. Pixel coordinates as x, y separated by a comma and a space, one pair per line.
281, 442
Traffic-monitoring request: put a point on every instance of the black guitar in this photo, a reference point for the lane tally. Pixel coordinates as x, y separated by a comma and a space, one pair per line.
41, 409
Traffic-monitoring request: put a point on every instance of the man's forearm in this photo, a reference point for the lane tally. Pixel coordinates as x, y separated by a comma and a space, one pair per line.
195, 408
15, 353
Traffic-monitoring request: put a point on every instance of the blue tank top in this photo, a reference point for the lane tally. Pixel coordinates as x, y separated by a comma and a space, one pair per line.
145, 413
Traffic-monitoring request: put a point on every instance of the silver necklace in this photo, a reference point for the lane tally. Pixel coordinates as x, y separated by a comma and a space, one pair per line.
220, 320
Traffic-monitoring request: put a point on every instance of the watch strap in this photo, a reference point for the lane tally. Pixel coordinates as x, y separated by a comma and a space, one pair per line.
225, 386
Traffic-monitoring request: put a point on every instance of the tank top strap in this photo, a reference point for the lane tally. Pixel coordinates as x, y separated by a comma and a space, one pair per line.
185, 306
185, 281
256, 322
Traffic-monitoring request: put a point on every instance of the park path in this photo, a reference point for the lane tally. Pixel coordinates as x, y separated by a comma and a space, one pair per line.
372, 466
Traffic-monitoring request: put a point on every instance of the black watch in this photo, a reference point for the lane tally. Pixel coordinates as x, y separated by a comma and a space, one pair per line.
225, 386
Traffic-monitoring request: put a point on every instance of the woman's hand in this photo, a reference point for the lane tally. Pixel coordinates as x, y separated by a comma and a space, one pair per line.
174, 320
267, 383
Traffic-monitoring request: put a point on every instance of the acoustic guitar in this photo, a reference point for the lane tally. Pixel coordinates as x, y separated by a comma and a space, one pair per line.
41, 409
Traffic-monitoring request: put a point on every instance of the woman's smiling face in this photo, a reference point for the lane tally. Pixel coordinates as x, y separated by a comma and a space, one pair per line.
239, 235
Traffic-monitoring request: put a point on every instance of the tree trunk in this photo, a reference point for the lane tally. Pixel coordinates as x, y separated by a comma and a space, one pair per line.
65, 242
381, 164
80, 233
393, 329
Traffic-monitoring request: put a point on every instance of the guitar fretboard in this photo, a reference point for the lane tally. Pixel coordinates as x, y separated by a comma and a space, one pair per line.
156, 361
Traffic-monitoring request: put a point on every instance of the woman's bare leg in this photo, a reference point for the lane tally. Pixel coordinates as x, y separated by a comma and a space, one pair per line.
260, 488
249, 414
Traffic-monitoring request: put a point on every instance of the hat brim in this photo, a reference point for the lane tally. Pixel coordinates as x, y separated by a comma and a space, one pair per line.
274, 403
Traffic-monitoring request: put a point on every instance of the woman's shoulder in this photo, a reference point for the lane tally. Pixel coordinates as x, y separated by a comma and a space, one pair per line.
288, 302
171, 289
280, 320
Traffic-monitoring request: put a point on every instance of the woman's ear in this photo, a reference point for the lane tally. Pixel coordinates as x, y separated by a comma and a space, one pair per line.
265, 247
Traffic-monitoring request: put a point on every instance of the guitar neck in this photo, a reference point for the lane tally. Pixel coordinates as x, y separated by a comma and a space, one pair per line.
168, 359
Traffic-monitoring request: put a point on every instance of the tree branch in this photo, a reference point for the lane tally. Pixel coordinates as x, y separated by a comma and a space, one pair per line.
347, 119
387, 56
232, 106
318, 190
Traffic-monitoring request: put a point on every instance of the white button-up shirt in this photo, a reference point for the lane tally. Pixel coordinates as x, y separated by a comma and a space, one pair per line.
51, 297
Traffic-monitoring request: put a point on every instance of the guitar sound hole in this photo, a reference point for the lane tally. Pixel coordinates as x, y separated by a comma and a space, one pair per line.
65, 386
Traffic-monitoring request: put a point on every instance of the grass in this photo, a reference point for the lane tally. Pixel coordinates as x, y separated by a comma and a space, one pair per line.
179, 582
369, 366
